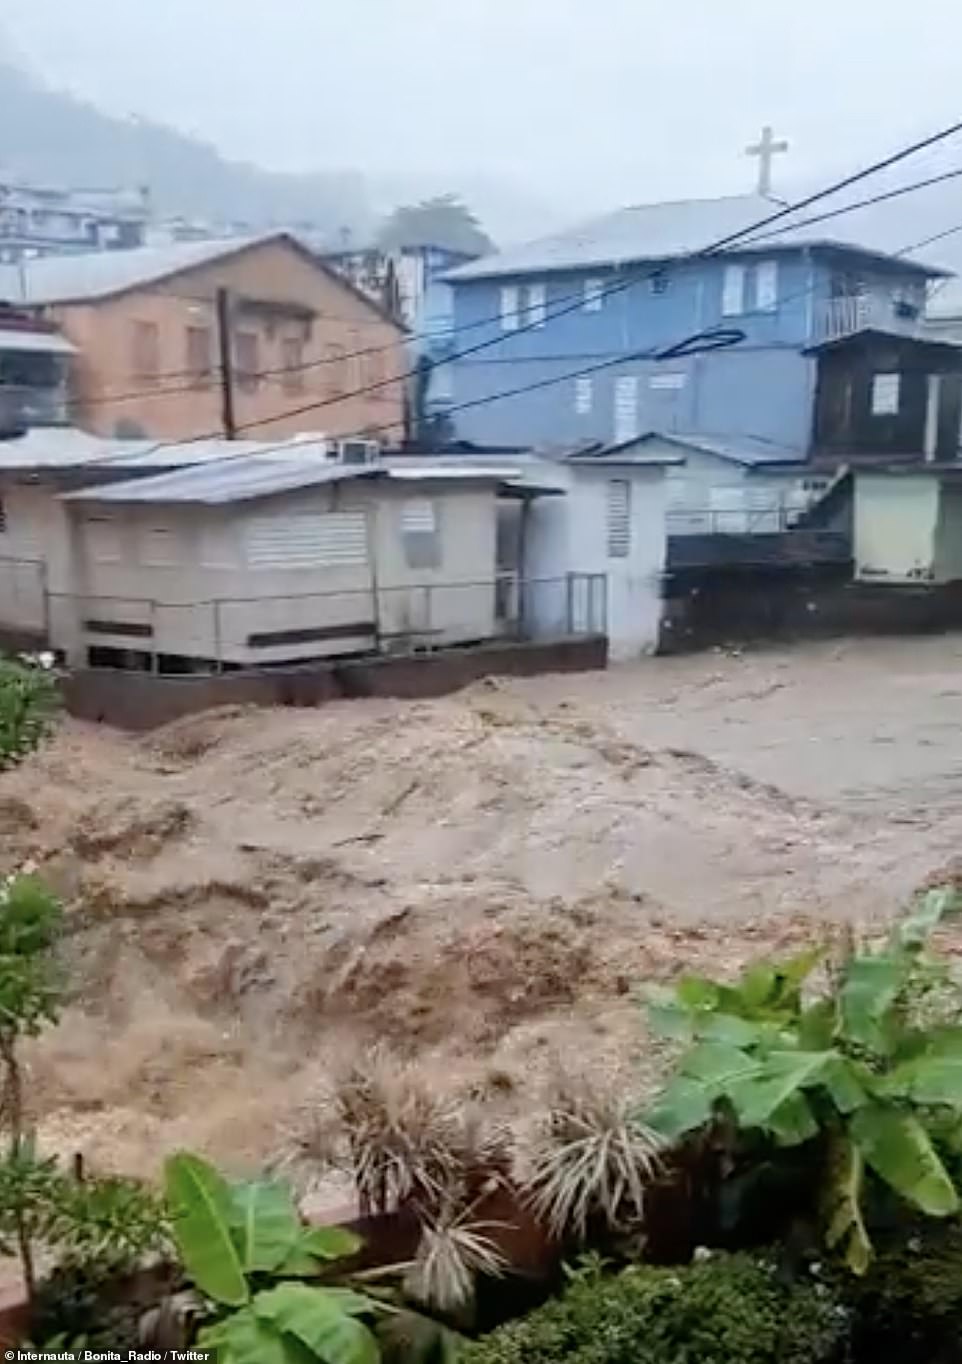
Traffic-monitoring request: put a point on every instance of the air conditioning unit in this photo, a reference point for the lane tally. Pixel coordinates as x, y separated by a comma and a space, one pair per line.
358, 451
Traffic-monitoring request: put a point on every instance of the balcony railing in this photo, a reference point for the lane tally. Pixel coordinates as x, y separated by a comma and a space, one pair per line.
838, 317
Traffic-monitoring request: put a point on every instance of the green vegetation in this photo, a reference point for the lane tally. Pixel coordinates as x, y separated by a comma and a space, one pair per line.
859, 1076
733, 1310
246, 1250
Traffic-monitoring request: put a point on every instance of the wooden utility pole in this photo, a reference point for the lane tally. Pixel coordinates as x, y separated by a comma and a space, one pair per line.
226, 355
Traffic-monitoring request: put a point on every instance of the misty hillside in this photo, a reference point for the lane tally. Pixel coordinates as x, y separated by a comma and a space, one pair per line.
54, 138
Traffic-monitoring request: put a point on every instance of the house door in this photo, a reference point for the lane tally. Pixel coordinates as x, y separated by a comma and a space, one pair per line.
587, 603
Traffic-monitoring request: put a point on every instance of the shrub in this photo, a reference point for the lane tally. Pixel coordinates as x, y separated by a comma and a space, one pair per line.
726, 1310
860, 1077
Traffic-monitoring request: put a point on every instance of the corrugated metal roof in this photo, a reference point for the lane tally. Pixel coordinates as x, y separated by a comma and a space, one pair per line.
656, 232
749, 451
99, 274
248, 477
66, 447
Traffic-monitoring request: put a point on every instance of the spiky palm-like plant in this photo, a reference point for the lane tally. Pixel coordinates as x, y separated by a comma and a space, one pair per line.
453, 1251
408, 1144
589, 1159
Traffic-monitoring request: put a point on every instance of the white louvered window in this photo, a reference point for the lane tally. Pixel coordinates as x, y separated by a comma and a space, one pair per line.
537, 311
594, 295
102, 539
584, 396
420, 534
766, 286
626, 409
619, 518
733, 291
307, 540
510, 307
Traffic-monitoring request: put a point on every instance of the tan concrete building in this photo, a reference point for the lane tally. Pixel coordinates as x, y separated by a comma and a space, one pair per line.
144, 322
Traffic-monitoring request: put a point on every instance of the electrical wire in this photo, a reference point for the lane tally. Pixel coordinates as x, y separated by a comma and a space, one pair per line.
633, 277
864, 203
745, 236
712, 339
283, 371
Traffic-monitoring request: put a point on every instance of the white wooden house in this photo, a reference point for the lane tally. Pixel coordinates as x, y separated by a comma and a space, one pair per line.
240, 554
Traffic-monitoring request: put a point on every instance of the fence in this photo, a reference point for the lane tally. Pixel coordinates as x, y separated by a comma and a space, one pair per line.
735, 520
231, 632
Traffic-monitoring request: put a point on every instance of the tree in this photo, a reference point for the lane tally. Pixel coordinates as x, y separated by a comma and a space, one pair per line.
443, 221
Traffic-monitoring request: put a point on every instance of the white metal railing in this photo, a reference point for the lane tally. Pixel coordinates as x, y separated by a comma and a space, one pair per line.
838, 317
243, 631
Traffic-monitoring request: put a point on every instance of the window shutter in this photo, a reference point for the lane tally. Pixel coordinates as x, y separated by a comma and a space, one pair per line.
419, 533
886, 389
537, 305
417, 517
510, 297
766, 286
584, 396
324, 540
619, 518
626, 409
733, 291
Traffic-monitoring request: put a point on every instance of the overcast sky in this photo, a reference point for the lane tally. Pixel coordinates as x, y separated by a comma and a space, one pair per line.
583, 104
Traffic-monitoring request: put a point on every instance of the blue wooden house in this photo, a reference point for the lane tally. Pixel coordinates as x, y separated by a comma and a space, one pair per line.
628, 285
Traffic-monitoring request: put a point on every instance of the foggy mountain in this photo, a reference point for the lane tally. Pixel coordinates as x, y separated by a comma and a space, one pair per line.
53, 138
56, 138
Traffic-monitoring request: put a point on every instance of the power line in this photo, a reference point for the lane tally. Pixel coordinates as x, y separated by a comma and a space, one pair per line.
671, 352
631, 278
578, 298
863, 203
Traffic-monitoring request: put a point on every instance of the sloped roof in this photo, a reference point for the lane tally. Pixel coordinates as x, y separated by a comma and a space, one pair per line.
67, 447
748, 451
665, 231
245, 478
93, 275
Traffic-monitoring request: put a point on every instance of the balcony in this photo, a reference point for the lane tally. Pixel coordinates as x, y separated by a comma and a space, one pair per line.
838, 317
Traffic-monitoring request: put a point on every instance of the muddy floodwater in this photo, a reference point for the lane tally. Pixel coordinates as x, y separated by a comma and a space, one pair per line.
479, 881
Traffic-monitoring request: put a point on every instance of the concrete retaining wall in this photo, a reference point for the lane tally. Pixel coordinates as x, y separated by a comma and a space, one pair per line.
143, 701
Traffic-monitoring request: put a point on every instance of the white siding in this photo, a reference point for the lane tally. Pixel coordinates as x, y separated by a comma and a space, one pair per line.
584, 396
569, 535
102, 540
